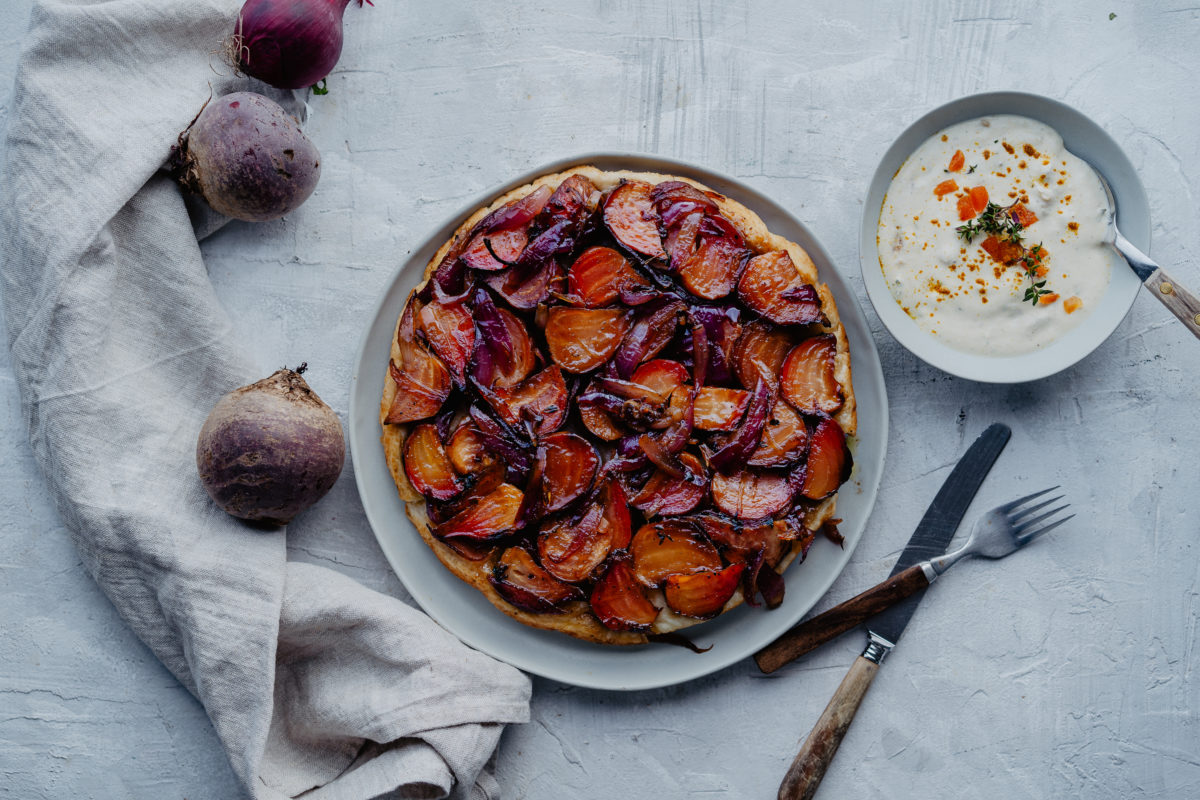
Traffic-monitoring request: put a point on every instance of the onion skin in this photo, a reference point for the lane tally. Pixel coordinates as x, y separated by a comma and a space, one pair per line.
289, 44
247, 158
270, 450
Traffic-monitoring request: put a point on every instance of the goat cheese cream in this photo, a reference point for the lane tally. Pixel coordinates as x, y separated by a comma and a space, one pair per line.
992, 237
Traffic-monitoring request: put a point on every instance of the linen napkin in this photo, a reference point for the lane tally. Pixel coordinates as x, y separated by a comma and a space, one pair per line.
313, 683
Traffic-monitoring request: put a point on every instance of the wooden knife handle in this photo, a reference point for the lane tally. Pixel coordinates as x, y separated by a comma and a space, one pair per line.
1182, 303
814, 632
806, 772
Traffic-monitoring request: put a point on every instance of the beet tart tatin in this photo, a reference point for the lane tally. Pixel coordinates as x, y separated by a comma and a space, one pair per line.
617, 405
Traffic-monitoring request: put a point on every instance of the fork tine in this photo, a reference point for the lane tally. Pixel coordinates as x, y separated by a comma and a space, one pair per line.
1016, 516
1007, 507
1024, 526
1025, 538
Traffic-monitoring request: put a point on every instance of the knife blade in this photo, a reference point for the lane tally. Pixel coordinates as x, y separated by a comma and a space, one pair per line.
933, 533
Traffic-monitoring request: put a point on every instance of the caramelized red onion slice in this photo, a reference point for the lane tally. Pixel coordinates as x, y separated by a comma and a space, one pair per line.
653, 328
737, 450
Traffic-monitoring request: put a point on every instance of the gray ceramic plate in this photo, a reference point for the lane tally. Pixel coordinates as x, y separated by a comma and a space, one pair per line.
463, 611
1082, 137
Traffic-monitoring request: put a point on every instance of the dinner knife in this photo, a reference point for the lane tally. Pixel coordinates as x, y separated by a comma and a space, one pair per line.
931, 537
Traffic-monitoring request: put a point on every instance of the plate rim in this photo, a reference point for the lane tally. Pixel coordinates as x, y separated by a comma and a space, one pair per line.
1124, 286
367, 455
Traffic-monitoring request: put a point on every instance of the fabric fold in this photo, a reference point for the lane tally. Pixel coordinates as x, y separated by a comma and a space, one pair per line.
120, 348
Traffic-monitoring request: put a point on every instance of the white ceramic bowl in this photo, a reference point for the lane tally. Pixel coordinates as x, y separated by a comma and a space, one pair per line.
1084, 138
467, 614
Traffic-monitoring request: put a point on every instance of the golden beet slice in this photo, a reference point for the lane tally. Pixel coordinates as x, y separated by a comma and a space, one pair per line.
422, 381
829, 461
751, 494
703, 594
630, 217
428, 468
450, 331
572, 551
711, 271
521, 581
581, 339
760, 352
670, 547
720, 409
467, 452
664, 494
616, 518
784, 438
492, 516
599, 275
506, 244
771, 286
807, 380
619, 601
540, 398
571, 467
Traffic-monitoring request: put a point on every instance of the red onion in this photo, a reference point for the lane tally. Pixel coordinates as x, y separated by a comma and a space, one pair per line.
737, 450
289, 44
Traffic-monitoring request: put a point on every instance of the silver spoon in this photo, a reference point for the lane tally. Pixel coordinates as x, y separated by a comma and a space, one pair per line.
1178, 300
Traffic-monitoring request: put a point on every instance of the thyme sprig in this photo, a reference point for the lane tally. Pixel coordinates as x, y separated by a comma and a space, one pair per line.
1031, 261
994, 219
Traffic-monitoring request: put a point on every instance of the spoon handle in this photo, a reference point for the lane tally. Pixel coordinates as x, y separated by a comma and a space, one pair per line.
1182, 303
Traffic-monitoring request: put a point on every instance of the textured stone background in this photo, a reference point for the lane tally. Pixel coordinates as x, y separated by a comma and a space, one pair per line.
1069, 670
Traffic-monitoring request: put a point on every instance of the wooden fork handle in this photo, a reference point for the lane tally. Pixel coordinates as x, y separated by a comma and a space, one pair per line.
807, 770
812, 633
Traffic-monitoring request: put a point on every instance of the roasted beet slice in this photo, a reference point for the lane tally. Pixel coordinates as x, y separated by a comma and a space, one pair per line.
598, 276
720, 409
829, 461
752, 494
738, 448
630, 217
581, 339
771, 286
616, 520
667, 378
450, 331
525, 287
663, 494
492, 516
740, 541
712, 270
571, 467
601, 425
702, 594
572, 549
468, 450
428, 468
807, 380
670, 547
619, 601
784, 438
760, 352
422, 381
541, 398
662, 375
482, 251
519, 580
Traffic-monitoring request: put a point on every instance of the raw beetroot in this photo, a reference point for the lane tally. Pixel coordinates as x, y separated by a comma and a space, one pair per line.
271, 449
247, 158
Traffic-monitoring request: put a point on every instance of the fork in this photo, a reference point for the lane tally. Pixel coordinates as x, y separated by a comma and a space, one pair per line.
1001, 531
1178, 300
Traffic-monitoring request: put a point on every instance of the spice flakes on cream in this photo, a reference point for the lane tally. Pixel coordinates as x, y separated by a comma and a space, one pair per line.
991, 236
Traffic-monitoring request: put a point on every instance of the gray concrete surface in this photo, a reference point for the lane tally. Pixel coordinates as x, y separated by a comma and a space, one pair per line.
1068, 671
